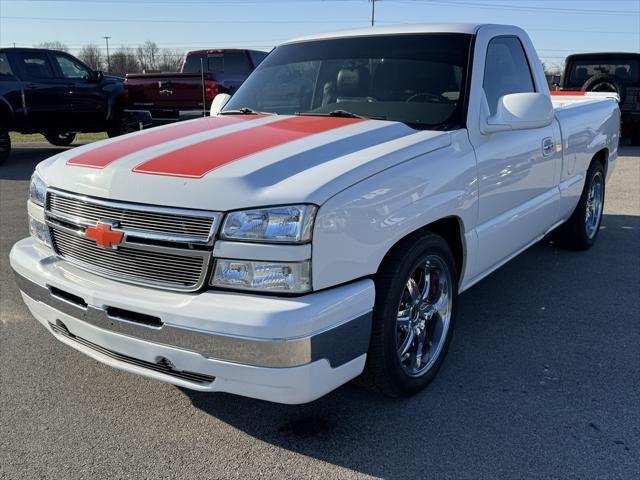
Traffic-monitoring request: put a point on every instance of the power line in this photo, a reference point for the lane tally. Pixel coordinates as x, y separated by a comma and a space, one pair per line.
206, 22
522, 8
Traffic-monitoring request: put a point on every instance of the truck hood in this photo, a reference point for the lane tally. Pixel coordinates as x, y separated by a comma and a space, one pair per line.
238, 161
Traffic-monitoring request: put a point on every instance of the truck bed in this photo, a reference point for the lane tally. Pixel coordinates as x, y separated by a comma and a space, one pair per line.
167, 91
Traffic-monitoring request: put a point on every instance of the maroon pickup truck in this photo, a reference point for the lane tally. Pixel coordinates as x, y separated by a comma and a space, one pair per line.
158, 98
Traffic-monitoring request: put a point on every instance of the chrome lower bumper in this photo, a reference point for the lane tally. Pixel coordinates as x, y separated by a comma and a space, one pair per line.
338, 345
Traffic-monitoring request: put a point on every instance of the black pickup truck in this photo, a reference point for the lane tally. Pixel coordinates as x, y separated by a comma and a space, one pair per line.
54, 93
608, 72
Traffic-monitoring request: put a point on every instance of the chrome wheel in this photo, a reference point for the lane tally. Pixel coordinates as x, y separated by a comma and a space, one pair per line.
595, 200
424, 316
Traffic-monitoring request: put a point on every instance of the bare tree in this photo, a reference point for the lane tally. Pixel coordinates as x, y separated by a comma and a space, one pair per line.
53, 46
148, 55
171, 60
91, 55
124, 61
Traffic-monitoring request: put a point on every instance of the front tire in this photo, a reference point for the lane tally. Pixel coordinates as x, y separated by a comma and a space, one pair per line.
581, 230
413, 316
60, 139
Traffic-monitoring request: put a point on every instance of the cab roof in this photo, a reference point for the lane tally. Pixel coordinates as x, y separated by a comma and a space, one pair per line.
468, 28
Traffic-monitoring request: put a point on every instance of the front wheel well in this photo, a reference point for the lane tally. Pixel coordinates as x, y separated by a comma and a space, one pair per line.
450, 229
601, 156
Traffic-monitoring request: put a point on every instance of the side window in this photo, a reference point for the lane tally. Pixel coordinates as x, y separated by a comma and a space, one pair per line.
72, 69
35, 65
506, 70
5, 68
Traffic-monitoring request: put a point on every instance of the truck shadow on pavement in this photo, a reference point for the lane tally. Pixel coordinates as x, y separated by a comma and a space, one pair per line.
519, 376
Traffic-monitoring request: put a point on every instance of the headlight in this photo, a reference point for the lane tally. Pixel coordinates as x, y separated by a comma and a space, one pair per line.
289, 224
39, 231
277, 277
37, 190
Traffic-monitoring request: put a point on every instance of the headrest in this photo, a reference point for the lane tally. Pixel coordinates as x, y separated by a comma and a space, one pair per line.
352, 82
621, 72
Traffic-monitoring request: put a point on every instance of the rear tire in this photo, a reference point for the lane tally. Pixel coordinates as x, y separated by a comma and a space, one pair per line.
60, 139
413, 316
581, 230
5, 144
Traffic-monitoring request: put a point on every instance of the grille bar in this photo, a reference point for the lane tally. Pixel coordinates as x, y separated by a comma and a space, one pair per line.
141, 265
195, 225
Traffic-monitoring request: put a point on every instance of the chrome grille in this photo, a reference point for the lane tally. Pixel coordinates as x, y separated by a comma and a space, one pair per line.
140, 266
140, 218
161, 247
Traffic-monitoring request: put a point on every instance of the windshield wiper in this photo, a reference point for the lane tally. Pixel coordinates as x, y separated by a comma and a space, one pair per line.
337, 113
244, 111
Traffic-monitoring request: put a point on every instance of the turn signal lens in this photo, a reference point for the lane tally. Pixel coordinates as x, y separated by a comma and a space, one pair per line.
262, 276
37, 190
39, 231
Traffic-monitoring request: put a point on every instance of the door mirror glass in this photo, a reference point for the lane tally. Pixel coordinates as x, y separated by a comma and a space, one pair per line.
519, 111
218, 103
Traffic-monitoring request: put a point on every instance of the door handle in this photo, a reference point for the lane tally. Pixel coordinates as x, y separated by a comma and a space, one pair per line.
548, 146
31, 86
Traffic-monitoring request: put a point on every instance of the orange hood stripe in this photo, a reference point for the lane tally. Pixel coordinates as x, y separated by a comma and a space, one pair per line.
103, 155
198, 159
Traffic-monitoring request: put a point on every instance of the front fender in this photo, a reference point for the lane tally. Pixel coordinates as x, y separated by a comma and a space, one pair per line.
114, 92
355, 229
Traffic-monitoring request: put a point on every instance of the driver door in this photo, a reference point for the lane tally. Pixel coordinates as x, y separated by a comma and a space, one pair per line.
518, 170
88, 101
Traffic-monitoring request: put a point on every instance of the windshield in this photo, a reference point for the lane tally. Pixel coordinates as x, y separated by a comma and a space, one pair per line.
415, 79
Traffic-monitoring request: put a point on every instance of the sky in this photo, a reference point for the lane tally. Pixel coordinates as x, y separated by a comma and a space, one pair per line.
557, 27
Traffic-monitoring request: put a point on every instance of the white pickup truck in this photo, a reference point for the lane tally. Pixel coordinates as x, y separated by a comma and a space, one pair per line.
322, 223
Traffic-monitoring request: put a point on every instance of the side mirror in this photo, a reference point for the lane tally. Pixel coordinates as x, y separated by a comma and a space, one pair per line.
519, 111
98, 75
555, 80
218, 103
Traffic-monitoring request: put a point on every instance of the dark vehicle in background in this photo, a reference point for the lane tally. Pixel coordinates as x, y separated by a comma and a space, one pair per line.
158, 98
54, 93
608, 72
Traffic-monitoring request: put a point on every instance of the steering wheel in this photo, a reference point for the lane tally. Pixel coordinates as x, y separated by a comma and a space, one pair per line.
430, 96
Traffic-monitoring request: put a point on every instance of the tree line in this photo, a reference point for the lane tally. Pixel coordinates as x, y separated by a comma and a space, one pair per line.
147, 57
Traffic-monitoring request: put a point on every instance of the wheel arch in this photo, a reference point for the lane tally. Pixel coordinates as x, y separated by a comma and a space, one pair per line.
601, 156
450, 229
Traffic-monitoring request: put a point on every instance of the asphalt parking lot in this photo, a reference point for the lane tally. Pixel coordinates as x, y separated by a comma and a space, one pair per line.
541, 381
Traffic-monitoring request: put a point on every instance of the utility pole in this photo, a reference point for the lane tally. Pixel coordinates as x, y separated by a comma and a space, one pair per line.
373, 12
108, 59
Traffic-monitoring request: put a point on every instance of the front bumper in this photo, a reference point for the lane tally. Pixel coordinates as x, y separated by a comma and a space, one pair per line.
288, 350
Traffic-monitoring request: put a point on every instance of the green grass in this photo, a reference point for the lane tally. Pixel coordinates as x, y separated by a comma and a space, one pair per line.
36, 137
